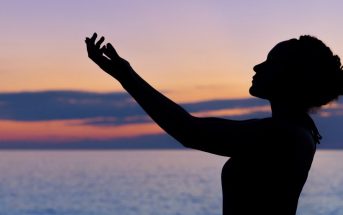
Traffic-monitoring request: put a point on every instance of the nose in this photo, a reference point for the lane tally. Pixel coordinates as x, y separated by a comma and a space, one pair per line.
258, 67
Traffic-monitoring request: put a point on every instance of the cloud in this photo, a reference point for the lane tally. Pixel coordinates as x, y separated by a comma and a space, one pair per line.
112, 120
101, 109
153, 141
59, 105
95, 108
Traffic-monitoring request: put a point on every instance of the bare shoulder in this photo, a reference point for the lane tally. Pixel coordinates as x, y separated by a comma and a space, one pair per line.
295, 135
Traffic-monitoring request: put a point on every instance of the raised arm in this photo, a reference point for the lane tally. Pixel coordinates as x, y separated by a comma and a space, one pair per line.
206, 134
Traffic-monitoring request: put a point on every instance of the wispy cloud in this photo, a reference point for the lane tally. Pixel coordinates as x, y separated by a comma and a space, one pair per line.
57, 117
58, 105
101, 108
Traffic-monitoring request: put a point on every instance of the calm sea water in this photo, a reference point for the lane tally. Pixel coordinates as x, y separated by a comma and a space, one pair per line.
149, 182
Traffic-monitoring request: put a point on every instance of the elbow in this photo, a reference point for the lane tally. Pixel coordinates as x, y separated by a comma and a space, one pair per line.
184, 132
184, 138
188, 138
187, 144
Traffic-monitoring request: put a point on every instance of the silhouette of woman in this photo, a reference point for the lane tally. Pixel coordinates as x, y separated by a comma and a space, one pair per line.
269, 158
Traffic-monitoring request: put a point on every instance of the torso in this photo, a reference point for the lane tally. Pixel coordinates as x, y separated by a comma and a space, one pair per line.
268, 180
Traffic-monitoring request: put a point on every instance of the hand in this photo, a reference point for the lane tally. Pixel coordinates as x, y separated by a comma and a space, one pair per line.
106, 57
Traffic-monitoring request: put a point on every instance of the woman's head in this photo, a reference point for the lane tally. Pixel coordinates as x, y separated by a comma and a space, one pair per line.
301, 72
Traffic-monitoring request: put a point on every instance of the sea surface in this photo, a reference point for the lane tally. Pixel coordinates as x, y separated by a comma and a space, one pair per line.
140, 182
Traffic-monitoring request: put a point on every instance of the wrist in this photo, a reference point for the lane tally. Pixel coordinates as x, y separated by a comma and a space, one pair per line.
126, 77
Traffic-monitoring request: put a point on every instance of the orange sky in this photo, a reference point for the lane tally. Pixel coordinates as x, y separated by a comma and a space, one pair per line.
76, 130
192, 50
69, 130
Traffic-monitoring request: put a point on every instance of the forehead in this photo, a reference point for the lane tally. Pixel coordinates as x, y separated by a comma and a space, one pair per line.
283, 49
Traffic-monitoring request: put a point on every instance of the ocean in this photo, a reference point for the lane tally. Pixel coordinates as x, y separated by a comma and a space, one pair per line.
140, 182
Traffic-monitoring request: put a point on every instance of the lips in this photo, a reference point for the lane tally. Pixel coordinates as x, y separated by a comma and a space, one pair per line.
254, 78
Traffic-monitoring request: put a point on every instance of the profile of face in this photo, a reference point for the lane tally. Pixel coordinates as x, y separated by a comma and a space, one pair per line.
270, 75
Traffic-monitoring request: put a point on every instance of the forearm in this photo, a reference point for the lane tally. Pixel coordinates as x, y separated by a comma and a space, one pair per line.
167, 114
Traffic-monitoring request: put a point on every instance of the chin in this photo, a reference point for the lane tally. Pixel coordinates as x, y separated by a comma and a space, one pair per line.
254, 91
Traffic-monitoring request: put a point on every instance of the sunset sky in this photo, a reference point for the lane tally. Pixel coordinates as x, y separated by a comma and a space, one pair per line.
192, 50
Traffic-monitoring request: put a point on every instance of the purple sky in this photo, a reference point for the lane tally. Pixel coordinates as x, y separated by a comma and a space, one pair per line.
191, 49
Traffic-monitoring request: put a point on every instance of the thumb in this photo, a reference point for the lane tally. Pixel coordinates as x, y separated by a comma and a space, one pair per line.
111, 52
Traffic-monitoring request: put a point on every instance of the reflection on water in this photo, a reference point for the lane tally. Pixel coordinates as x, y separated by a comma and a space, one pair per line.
323, 193
150, 182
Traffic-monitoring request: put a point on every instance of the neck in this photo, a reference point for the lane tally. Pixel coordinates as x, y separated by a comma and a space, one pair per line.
286, 111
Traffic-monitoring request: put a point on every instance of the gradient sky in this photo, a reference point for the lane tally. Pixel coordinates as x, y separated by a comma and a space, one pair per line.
190, 49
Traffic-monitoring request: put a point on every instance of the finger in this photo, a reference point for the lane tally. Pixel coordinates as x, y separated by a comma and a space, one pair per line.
94, 51
93, 38
89, 44
111, 52
102, 49
98, 44
87, 40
